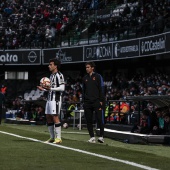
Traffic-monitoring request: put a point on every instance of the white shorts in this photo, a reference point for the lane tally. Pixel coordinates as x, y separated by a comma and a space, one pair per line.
52, 107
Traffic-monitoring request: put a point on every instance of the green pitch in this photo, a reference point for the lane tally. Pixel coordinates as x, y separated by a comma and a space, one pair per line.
22, 153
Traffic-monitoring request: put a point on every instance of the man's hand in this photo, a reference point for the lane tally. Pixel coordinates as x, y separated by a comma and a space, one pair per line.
40, 88
43, 88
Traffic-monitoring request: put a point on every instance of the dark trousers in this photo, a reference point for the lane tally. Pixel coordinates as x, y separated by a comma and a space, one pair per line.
89, 109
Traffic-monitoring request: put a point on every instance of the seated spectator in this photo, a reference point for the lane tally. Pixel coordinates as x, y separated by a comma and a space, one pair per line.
34, 112
119, 112
41, 119
109, 112
124, 108
159, 128
167, 123
23, 114
145, 123
69, 111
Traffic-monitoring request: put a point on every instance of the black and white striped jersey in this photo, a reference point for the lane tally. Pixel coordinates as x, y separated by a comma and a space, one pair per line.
56, 81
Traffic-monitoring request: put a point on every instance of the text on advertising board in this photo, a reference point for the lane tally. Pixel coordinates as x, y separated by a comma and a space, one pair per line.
96, 52
8, 58
62, 56
151, 45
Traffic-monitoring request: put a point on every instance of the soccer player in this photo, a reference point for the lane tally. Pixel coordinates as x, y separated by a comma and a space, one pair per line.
93, 98
54, 99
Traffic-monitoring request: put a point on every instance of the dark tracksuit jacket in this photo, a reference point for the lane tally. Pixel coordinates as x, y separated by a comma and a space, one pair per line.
93, 94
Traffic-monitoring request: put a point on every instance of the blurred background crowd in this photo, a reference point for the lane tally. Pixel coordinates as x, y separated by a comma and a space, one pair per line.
42, 24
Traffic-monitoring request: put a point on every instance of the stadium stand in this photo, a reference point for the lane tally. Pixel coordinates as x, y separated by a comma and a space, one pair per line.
47, 24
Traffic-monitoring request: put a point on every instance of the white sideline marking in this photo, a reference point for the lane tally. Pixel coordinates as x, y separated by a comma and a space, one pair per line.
85, 152
81, 133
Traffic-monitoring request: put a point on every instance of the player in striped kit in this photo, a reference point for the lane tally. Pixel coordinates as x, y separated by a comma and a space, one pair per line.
54, 99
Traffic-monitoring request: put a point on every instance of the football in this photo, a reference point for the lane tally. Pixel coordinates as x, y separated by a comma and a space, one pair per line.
65, 125
44, 82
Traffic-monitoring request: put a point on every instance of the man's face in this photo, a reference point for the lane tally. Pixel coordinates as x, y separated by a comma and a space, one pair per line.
89, 69
52, 67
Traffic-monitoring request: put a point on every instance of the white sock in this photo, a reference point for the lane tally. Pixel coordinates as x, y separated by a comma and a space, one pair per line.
51, 131
58, 130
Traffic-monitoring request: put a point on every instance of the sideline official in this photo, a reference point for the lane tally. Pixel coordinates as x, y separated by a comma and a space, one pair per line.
93, 98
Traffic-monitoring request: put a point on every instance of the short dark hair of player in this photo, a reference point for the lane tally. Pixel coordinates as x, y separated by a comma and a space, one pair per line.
91, 63
56, 62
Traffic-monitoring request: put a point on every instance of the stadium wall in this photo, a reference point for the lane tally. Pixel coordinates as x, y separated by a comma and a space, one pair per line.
134, 48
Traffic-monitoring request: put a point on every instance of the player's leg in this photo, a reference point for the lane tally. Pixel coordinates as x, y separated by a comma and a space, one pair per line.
100, 122
57, 123
50, 123
88, 111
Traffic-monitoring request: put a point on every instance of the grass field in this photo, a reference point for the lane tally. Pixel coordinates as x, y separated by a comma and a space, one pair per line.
26, 150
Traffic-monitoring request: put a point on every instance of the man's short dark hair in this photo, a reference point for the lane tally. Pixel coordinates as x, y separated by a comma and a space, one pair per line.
91, 63
56, 62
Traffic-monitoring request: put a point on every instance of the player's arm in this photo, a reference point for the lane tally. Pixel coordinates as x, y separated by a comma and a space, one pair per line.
101, 89
60, 88
47, 88
61, 83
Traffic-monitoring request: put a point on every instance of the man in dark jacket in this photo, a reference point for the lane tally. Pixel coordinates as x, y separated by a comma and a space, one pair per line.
93, 98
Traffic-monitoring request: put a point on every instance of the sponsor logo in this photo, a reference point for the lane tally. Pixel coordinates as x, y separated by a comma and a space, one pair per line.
150, 45
32, 56
62, 56
117, 50
98, 52
9, 58
126, 49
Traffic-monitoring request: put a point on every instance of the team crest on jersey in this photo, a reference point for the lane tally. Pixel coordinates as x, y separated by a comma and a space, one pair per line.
94, 78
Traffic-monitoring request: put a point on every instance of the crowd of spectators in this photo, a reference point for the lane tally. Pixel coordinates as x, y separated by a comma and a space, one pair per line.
138, 18
29, 111
155, 122
40, 24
